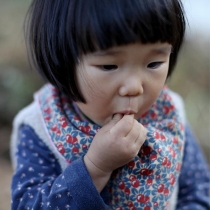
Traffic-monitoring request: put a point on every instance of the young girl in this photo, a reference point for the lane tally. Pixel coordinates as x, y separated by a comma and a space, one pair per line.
105, 133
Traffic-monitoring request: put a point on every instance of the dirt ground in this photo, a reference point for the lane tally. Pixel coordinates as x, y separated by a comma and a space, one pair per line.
5, 180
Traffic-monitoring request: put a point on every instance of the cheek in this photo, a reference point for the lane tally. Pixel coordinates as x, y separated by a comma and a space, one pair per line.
155, 85
88, 85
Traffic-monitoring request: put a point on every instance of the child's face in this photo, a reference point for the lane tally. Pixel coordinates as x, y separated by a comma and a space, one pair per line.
124, 79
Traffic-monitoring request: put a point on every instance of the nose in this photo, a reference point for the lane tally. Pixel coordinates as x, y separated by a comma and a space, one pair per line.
132, 86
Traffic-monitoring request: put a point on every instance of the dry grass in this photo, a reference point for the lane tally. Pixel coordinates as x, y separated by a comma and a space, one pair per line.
5, 174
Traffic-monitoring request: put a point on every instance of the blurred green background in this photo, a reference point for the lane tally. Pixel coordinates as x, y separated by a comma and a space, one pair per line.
191, 80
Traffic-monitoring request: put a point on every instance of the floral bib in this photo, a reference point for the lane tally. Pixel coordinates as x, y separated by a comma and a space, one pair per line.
146, 182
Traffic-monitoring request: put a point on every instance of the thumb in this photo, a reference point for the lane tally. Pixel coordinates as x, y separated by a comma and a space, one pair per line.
116, 118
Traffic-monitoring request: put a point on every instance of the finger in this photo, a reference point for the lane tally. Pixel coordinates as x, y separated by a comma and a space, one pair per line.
142, 137
134, 133
116, 118
123, 126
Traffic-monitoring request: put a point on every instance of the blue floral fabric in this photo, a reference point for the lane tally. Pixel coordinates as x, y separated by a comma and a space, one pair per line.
39, 183
146, 182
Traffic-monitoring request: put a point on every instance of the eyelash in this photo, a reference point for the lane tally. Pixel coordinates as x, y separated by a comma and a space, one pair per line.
108, 67
154, 65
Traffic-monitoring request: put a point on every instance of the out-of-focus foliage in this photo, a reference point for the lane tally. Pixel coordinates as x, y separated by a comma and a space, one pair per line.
191, 80
17, 80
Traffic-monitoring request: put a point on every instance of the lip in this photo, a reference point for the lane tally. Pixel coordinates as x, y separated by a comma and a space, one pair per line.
127, 112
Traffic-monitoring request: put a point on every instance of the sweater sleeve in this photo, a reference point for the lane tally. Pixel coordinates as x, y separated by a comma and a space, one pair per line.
194, 180
39, 183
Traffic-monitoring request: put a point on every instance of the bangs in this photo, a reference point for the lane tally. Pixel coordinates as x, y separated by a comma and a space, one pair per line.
99, 25
59, 32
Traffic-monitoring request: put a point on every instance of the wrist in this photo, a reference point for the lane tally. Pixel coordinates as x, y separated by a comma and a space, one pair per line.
99, 177
95, 169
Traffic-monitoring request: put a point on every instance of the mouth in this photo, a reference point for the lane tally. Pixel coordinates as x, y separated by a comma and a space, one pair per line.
127, 112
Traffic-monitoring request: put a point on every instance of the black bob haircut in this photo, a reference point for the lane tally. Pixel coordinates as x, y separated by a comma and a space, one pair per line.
60, 31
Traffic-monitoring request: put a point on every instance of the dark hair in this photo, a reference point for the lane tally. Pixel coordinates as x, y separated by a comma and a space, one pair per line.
60, 31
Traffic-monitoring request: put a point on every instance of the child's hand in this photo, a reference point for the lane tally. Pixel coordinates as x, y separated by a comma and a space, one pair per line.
116, 143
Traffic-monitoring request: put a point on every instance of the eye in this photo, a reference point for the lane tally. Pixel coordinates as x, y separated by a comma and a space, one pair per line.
108, 67
154, 65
